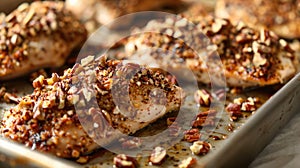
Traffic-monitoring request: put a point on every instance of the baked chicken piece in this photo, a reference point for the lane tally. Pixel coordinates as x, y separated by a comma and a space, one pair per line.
105, 11
36, 35
57, 115
248, 57
280, 16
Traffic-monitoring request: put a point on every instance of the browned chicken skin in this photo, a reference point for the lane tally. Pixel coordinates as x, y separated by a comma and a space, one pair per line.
37, 35
48, 119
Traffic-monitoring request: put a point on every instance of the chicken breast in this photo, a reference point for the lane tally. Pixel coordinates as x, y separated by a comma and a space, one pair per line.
38, 35
248, 57
95, 101
105, 11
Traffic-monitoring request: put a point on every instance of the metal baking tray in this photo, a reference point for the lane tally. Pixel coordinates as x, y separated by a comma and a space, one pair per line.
246, 143
238, 149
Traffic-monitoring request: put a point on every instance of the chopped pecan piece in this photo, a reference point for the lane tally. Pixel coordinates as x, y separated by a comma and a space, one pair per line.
203, 97
192, 135
200, 147
187, 163
158, 155
235, 111
250, 104
123, 161
206, 118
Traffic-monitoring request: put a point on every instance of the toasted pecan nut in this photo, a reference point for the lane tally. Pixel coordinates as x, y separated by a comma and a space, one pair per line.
235, 111
158, 155
192, 135
233, 107
203, 97
187, 163
123, 161
206, 118
246, 105
200, 147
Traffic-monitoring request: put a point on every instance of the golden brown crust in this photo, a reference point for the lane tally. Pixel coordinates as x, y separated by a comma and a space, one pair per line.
33, 33
283, 17
250, 57
48, 119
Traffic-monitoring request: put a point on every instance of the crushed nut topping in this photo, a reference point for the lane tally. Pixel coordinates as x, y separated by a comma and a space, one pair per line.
249, 105
240, 105
49, 117
258, 60
21, 28
250, 57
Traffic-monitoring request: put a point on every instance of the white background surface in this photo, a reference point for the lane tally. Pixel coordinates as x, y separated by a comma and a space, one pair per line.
284, 150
